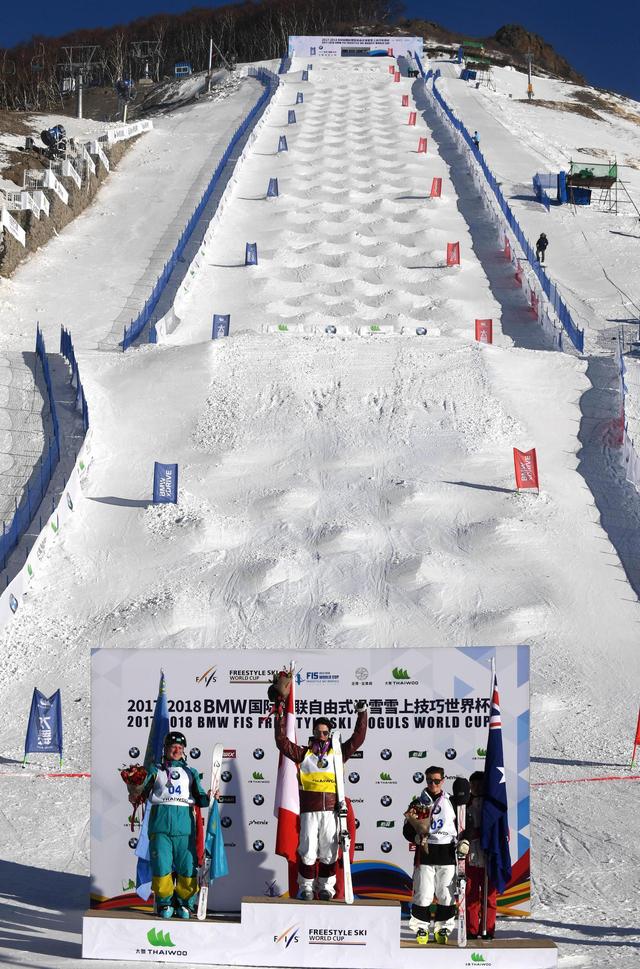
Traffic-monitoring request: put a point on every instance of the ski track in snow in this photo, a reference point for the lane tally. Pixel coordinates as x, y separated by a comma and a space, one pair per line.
335, 492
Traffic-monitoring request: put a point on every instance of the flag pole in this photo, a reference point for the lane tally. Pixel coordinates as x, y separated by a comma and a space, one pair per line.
485, 880
636, 743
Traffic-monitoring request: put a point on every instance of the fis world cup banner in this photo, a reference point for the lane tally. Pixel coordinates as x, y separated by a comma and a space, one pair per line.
315, 46
427, 706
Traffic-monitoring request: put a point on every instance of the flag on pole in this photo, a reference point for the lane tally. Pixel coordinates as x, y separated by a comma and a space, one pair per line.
287, 802
160, 726
214, 844
495, 818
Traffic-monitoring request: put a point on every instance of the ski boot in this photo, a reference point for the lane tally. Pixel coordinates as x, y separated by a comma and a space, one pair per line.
181, 908
324, 895
422, 937
306, 894
165, 911
441, 936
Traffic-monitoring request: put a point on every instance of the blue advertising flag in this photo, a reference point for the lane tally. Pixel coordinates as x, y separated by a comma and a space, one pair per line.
44, 730
165, 483
251, 254
299, 98
214, 844
495, 816
282, 143
272, 188
291, 117
221, 324
160, 726
305, 75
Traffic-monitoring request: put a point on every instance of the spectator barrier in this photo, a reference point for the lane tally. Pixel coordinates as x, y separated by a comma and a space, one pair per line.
630, 454
162, 327
67, 351
552, 305
133, 331
35, 492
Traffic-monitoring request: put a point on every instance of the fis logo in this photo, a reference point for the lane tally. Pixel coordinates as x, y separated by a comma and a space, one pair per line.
288, 937
160, 939
209, 676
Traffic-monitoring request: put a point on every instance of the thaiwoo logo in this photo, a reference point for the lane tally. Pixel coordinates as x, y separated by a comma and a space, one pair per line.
386, 778
209, 676
480, 754
258, 777
401, 677
288, 937
160, 940
477, 959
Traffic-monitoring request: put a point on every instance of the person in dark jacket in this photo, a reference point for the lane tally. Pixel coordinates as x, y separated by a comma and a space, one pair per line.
541, 247
317, 781
431, 824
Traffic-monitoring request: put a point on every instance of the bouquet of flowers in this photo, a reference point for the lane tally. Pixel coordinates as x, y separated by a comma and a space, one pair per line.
134, 777
418, 814
280, 686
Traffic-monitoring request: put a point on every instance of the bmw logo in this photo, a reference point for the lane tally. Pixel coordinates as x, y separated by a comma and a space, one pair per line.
418, 778
258, 845
451, 753
330, 329
175, 774
258, 799
421, 331
386, 754
133, 843
354, 777
385, 800
225, 822
194, 753
258, 753
134, 752
386, 847
225, 776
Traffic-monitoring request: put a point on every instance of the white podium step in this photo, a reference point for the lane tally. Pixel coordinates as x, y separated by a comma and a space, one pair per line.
289, 933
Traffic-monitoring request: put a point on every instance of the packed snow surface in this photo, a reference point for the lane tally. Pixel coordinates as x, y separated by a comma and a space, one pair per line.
336, 491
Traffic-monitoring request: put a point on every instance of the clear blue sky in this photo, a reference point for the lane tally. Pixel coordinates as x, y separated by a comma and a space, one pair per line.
601, 42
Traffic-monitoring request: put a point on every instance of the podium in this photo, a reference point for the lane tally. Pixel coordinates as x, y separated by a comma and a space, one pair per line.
290, 933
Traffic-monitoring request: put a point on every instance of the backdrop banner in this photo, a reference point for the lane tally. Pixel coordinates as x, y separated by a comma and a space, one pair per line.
315, 46
426, 707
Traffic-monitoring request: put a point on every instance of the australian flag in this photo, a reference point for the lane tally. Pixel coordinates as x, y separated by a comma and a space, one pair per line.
160, 726
495, 819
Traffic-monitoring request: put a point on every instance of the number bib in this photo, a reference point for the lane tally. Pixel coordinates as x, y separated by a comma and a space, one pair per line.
443, 822
172, 786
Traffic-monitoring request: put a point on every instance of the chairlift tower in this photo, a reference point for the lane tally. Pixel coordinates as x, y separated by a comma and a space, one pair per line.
82, 63
146, 53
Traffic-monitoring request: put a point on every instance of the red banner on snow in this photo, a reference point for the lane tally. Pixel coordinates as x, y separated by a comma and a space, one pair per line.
453, 253
436, 188
518, 274
392, 69
405, 100
412, 118
507, 248
389, 51
396, 77
526, 465
484, 331
422, 146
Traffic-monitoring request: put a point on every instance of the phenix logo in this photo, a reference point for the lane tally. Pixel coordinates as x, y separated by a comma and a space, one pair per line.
159, 939
399, 674
209, 676
288, 936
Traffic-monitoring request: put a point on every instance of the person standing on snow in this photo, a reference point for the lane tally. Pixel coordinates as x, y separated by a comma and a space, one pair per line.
476, 139
317, 781
541, 247
173, 789
430, 824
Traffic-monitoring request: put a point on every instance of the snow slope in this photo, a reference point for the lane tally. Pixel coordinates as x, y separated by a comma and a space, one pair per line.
338, 491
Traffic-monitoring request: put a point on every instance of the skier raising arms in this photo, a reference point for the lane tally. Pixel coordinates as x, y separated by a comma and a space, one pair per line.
317, 781
173, 789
